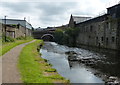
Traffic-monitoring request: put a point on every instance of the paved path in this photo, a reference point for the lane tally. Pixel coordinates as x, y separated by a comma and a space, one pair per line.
10, 73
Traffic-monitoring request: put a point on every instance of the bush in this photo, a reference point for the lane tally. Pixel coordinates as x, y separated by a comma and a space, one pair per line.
24, 38
20, 38
50, 70
58, 36
8, 39
67, 36
29, 37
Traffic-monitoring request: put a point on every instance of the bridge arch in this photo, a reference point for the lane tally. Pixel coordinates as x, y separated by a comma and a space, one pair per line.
47, 37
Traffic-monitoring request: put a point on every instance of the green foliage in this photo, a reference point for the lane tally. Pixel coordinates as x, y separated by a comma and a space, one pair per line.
72, 33
14, 25
29, 68
8, 39
58, 35
66, 37
50, 70
33, 68
6, 46
45, 60
21, 38
48, 64
29, 37
24, 38
39, 46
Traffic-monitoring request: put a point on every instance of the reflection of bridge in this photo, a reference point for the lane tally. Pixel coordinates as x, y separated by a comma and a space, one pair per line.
45, 34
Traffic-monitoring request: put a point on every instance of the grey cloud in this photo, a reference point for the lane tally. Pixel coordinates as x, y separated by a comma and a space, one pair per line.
55, 8
53, 12
49, 19
21, 7
48, 13
83, 12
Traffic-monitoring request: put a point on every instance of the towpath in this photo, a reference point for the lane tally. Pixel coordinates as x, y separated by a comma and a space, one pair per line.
9, 72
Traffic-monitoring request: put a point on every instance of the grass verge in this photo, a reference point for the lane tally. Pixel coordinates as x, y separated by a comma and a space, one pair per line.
34, 69
9, 45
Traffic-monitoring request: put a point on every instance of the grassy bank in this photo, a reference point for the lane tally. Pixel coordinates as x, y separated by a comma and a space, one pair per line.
34, 69
9, 45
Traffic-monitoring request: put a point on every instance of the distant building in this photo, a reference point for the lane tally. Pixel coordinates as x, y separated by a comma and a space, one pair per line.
16, 28
77, 19
39, 29
62, 27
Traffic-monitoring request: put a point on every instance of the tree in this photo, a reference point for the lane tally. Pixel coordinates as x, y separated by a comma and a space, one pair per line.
66, 37
72, 33
58, 36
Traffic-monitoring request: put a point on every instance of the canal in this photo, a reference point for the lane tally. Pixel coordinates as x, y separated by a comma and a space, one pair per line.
102, 67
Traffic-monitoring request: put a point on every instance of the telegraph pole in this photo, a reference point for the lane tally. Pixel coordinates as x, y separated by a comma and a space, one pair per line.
25, 27
5, 28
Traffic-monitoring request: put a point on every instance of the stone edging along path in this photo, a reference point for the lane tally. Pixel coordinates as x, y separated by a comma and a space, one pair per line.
8, 65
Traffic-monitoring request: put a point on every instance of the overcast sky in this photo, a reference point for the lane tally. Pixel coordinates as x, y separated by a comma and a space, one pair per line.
47, 13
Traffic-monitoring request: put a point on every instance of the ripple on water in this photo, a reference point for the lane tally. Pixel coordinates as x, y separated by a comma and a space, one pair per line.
76, 73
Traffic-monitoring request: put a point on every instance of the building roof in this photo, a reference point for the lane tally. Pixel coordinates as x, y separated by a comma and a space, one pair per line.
23, 23
79, 19
96, 19
114, 6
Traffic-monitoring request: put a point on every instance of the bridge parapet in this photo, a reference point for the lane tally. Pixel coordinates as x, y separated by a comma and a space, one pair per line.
43, 34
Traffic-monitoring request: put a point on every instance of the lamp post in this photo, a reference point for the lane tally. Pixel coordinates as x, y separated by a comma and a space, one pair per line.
5, 28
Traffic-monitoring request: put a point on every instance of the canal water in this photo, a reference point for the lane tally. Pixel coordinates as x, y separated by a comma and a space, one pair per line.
75, 71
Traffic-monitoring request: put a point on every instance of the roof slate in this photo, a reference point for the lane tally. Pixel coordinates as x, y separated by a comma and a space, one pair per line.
79, 19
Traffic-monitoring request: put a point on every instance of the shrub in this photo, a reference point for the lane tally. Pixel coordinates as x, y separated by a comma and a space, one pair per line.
58, 36
20, 38
8, 39
28, 37
24, 38
50, 70
67, 36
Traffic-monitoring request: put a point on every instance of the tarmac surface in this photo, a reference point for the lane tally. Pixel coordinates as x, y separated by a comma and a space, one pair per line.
9, 72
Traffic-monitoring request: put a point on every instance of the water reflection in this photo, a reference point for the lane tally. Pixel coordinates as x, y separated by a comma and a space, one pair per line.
109, 65
74, 71
106, 64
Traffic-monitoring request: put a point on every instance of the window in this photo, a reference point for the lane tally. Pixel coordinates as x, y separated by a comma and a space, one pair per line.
91, 28
18, 26
89, 37
107, 25
96, 38
106, 40
98, 26
86, 29
102, 39
113, 39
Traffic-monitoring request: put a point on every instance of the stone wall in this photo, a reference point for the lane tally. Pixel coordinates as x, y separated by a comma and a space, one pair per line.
102, 31
100, 34
16, 31
71, 22
20, 31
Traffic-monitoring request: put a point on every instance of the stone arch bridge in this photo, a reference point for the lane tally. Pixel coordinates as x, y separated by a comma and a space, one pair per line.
45, 34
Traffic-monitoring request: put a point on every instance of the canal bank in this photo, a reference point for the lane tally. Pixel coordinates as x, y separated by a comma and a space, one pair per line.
34, 69
104, 66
